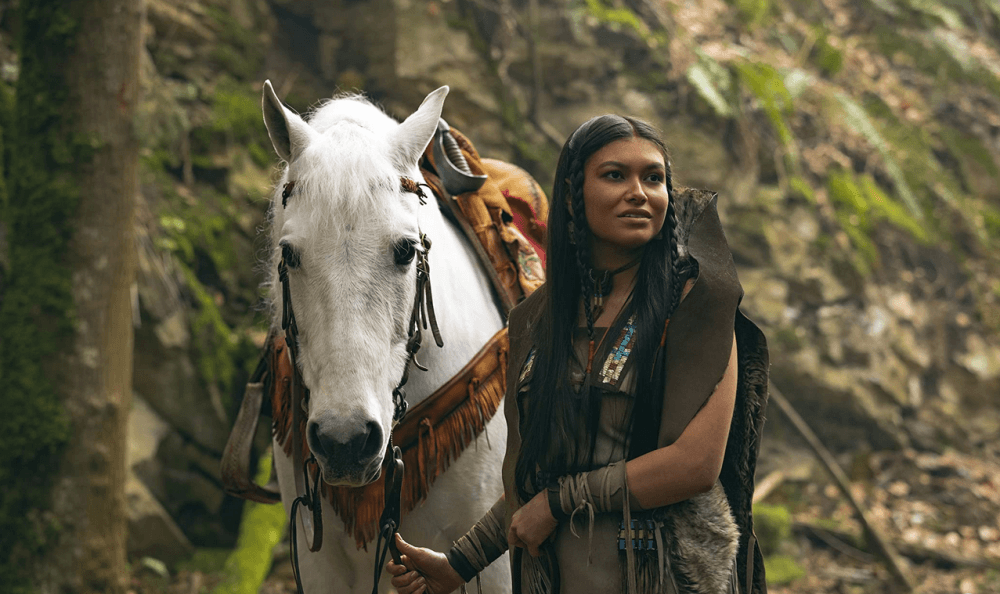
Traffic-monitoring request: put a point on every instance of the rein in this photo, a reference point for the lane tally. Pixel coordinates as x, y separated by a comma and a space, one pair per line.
307, 472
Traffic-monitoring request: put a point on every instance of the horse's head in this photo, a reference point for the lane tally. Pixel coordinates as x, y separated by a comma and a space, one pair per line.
348, 233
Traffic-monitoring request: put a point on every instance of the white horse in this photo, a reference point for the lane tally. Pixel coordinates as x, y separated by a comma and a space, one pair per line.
345, 221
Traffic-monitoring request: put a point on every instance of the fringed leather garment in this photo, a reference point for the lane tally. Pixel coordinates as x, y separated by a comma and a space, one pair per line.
706, 543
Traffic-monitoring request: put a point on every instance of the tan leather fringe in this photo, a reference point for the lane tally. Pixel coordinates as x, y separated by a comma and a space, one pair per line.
436, 447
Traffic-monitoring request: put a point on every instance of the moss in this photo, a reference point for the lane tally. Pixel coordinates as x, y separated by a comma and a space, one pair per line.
827, 58
234, 128
753, 13
798, 186
239, 52
260, 531
969, 152
620, 17
205, 560
788, 338
773, 526
782, 569
36, 316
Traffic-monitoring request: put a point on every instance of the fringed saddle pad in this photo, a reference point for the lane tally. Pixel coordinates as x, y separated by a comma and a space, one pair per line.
432, 435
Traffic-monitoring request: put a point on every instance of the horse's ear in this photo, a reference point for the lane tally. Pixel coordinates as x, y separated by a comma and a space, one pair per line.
289, 133
412, 136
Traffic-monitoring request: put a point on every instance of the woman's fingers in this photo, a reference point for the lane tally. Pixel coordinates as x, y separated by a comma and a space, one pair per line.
408, 583
396, 569
416, 587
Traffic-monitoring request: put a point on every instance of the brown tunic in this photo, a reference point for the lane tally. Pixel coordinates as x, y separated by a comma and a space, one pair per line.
698, 343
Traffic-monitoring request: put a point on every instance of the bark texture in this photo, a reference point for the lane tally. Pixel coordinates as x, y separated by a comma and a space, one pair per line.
75, 175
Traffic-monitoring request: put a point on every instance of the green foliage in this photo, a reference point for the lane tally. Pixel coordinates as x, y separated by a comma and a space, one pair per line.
205, 560
856, 117
260, 531
714, 82
36, 316
199, 233
236, 123
940, 56
968, 150
782, 569
753, 13
240, 53
772, 525
768, 85
620, 16
827, 58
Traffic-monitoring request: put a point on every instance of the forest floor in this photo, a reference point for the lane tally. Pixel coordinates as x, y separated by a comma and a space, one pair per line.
940, 511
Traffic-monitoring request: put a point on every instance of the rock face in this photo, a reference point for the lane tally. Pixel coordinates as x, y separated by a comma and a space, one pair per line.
882, 324
151, 529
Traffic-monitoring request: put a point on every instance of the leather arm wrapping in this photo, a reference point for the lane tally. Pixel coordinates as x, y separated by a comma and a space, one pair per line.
601, 490
482, 544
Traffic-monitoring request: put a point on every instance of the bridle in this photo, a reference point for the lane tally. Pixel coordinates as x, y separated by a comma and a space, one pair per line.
307, 475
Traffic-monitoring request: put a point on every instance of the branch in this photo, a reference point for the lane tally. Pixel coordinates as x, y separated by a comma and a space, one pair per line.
882, 547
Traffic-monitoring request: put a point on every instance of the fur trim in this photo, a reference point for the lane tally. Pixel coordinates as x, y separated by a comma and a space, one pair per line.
699, 540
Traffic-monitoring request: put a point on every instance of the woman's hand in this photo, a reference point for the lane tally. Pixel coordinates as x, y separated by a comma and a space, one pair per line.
423, 571
532, 524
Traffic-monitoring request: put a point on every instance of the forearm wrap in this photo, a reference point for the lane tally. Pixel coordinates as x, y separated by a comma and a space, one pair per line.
601, 490
482, 544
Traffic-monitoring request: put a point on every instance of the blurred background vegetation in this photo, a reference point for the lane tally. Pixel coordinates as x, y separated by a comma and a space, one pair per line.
855, 145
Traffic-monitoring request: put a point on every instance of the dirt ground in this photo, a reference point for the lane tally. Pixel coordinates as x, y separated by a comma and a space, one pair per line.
940, 511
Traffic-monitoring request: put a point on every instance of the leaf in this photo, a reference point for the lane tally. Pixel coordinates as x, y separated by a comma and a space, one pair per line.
886, 6
699, 77
858, 120
949, 17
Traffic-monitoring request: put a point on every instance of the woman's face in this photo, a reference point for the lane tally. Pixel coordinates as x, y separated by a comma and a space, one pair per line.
625, 198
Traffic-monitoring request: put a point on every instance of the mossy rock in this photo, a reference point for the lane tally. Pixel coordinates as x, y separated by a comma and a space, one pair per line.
772, 525
205, 560
261, 530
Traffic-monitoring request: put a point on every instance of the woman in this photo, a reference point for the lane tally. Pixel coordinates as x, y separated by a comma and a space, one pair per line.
626, 468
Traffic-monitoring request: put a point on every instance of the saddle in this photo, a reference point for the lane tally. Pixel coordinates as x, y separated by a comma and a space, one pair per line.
502, 210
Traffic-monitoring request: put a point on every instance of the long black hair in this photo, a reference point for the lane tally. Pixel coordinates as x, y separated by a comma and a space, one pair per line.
553, 410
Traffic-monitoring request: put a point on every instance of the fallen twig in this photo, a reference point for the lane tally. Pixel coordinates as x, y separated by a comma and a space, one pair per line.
767, 486
882, 547
916, 552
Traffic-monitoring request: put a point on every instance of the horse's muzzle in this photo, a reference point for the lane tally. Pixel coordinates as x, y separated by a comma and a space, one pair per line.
349, 450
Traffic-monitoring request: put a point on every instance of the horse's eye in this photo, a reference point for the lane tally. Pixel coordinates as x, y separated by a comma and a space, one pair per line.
289, 254
404, 251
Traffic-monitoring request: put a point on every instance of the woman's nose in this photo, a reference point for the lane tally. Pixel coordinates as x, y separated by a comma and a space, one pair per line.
635, 192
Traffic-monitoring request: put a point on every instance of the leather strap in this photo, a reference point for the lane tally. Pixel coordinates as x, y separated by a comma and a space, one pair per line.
454, 392
751, 547
236, 456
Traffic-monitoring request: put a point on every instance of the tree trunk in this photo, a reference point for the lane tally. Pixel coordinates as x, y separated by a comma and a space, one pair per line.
74, 180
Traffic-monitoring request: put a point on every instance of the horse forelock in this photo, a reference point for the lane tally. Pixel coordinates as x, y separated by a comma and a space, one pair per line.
345, 177
351, 107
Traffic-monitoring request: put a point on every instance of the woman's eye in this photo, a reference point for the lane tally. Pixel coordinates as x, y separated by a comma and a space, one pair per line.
656, 178
613, 175
289, 255
404, 251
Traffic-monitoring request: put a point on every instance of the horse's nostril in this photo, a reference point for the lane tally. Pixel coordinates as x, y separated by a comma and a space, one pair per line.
313, 433
372, 441
328, 441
